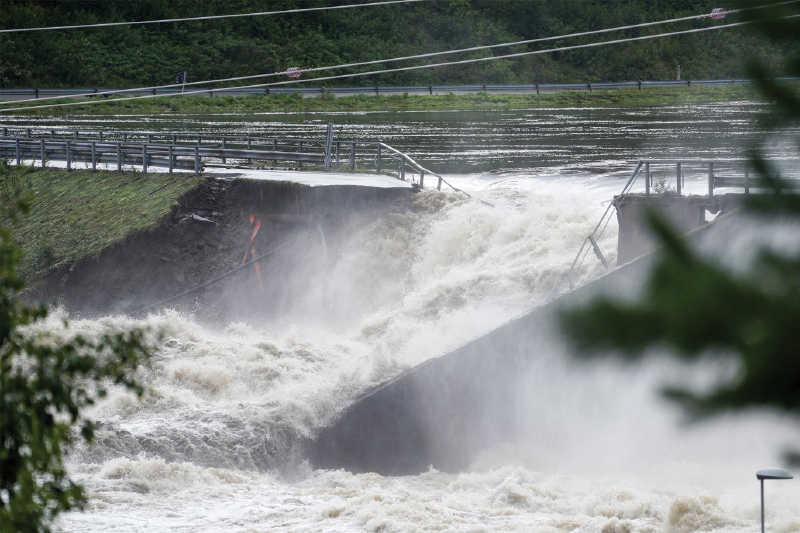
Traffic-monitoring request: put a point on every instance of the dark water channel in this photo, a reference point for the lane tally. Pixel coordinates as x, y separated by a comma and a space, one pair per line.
593, 140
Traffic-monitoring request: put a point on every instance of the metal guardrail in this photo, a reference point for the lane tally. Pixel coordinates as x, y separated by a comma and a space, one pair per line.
195, 151
715, 181
538, 88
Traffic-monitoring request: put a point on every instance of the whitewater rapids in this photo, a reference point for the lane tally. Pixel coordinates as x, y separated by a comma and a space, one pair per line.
213, 445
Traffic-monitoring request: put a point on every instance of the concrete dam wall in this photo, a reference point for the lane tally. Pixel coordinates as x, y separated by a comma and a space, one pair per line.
446, 411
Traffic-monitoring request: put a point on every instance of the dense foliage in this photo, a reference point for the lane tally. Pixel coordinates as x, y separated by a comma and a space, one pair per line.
45, 384
697, 306
152, 54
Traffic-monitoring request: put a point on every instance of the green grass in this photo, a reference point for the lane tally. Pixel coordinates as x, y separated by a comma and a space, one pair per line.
79, 213
650, 96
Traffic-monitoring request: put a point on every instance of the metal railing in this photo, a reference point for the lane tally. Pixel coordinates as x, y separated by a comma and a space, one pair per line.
530, 88
187, 151
715, 181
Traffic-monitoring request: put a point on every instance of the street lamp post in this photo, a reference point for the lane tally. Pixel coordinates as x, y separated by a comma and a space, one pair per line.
769, 473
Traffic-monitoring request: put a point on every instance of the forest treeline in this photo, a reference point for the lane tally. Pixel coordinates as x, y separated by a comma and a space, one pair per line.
130, 56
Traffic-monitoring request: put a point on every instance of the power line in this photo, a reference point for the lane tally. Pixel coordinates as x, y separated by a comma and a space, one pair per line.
405, 58
210, 17
417, 67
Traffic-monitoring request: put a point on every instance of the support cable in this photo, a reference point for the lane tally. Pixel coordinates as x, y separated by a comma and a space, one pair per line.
218, 278
390, 60
210, 17
405, 69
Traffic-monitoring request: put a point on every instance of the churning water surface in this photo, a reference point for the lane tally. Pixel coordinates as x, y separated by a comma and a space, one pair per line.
211, 447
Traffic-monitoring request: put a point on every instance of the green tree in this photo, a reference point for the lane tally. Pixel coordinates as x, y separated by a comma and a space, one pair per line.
44, 387
693, 304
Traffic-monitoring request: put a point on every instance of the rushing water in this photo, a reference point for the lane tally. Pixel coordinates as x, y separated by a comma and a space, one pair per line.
211, 446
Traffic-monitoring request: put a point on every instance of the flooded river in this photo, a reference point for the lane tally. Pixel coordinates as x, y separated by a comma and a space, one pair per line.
207, 449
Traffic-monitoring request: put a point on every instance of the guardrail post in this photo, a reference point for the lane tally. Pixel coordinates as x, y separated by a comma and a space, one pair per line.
439, 185
710, 180
402, 172
36, 92
378, 159
100, 136
5, 132
421, 179
275, 149
196, 160
640, 85
249, 146
678, 182
144, 158
28, 133
94, 156
537, 88
224, 145
76, 135
746, 181
430, 89
377, 91
337, 156
174, 139
590, 86
149, 138
688, 83
170, 160
353, 157
69, 157
52, 134
124, 137
119, 157
18, 153
198, 140
647, 179
43, 154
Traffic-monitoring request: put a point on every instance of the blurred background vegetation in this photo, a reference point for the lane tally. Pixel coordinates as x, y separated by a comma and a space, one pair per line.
130, 56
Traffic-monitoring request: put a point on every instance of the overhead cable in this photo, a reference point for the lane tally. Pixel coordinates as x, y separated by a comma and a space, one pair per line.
210, 17
404, 69
404, 58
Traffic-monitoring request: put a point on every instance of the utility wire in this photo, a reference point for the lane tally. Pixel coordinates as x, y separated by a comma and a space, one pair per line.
210, 17
405, 58
403, 69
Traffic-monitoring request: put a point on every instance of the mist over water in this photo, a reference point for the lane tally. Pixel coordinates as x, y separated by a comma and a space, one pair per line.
213, 446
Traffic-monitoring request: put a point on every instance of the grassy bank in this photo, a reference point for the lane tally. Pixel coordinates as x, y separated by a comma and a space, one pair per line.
78, 213
326, 102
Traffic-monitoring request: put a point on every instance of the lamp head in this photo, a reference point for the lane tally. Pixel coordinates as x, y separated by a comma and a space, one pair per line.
773, 473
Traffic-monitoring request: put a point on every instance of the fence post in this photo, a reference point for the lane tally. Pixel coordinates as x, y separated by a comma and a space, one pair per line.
119, 157
170, 159
69, 157
196, 160
378, 159
18, 153
746, 181
402, 168
43, 154
144, 158
439, 186
94, 156
328, 146
647, 179
353, 157
679, 178
421, 179
710, 180
299, 151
